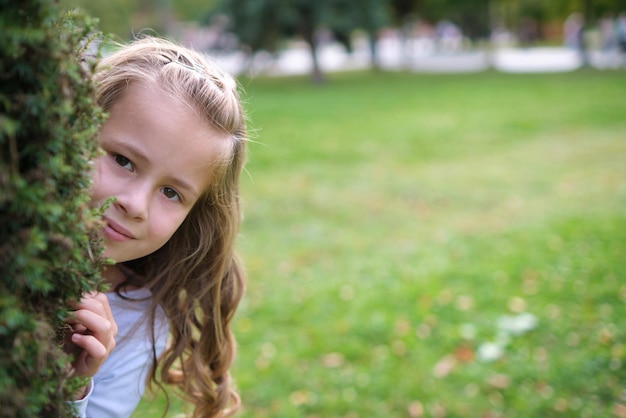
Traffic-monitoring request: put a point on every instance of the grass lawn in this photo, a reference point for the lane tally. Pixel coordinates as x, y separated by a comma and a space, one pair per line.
434, 246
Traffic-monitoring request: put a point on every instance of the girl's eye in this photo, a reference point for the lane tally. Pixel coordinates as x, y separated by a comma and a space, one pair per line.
170, 193
123, 161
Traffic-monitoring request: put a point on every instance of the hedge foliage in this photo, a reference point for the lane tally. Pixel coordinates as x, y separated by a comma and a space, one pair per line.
49, 255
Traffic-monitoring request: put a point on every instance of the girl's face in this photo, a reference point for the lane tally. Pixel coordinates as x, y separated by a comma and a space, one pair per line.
159, 159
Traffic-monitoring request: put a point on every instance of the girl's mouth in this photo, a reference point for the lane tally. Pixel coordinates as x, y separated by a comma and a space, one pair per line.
116, 232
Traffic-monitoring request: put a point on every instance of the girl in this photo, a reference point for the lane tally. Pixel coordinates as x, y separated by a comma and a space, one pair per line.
174, 146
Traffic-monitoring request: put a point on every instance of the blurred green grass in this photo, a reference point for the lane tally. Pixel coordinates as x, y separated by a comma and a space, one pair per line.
391, 219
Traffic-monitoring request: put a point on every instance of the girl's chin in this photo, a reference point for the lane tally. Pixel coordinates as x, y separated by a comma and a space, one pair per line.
115, 258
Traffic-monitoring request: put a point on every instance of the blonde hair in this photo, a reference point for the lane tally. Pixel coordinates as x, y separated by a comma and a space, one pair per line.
196, 277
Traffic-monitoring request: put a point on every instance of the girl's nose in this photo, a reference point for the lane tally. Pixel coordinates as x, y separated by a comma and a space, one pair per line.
134, 202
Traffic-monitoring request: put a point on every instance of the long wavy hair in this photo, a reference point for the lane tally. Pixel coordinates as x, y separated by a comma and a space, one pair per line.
196, 277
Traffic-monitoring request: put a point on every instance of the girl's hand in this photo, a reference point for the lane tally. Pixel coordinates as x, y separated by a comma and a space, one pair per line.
93, 333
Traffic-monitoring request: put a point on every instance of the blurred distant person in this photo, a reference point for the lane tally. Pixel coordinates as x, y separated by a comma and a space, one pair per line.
608, 26
608, 32
620, 25
449, 36
573, 31
501, 36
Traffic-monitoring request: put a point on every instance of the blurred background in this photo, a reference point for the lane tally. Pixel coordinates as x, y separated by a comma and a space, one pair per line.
302, 36
434, 202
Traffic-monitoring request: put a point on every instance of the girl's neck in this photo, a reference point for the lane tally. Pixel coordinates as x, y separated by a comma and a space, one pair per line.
114, 276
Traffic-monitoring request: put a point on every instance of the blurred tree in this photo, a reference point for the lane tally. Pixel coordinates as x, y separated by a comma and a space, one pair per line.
115, 16
512, 11
471, 15
191, 10
344, 16
124, 18
476, 17
263, 24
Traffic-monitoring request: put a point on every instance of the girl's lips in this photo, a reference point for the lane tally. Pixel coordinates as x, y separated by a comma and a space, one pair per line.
116, 232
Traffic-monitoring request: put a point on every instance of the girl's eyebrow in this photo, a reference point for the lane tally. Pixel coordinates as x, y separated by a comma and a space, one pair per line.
136, 154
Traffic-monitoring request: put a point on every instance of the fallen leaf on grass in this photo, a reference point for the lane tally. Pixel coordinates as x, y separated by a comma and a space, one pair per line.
464, 354
489, 351
517, 324
416, 409
444, 366
499, 381
619, 410
332, 360
300, 397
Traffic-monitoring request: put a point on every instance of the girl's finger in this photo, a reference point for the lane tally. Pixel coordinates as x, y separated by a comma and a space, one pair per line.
92, 356
98, 304
100, 327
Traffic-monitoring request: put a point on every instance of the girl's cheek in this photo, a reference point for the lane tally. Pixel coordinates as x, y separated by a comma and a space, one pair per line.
97, 181
95, 176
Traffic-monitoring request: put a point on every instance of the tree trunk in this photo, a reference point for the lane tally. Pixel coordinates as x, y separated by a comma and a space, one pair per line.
307, 30
372, 41
317, 77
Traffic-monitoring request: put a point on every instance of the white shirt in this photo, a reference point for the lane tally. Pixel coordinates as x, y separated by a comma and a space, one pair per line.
117, 387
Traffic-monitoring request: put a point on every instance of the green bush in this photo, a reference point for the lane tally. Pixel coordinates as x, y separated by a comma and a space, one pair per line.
48, 253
